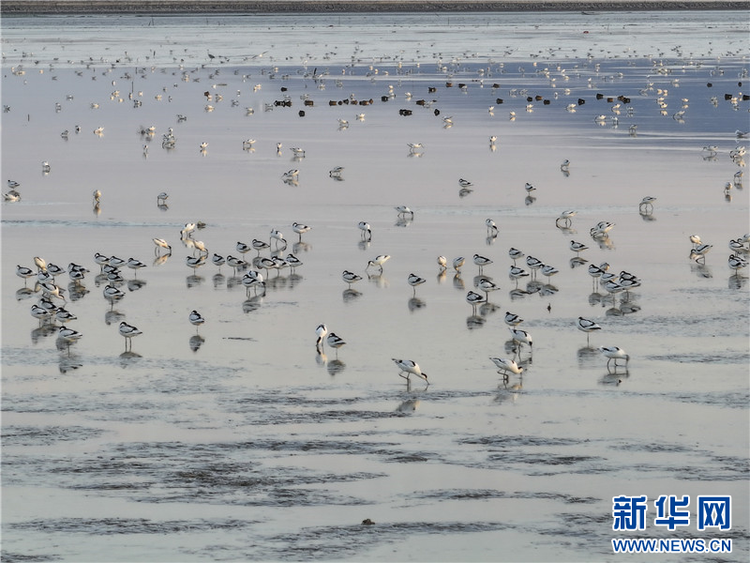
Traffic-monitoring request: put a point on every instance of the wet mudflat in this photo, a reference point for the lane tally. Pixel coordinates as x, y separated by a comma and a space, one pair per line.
238, 440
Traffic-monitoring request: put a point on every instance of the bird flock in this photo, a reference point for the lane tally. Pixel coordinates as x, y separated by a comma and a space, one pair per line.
268, 260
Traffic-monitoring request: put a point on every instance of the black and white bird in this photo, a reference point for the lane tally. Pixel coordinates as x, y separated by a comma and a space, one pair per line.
378, 261
350, 277
521, 337
506, 366
511, 319
129, 332
410, 367
335, 342
481, 261
196, 319
322, 331
587, 326
414, 280
614, 353
366, 233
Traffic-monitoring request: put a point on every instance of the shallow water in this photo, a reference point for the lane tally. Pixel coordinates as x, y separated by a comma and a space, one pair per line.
238, 441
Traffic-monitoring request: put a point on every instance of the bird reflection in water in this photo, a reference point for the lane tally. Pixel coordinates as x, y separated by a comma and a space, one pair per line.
196, 341
408, 406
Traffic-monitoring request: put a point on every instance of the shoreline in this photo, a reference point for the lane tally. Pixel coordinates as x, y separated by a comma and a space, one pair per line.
173, 7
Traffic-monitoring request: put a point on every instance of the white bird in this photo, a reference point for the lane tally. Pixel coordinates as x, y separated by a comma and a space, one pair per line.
464, 183
410, 367
507, 366
481, 261
414, 147
487, 285
195, 261
24, 272
520, 336
442, 263
68, 335
335, 342
515, 254
218, 260
259, 245
128, 332
577, 247
491, 227
474, 299
196, 319
300, 229
112, 293
596, 272
736, 262
63, 315
350, 277
566, 217
297, 151
40, 313
695, 239
458, 263
699, 252
293, 261
321, 330
511, 319
548, 271
587, 326
378, 261
534, 263
200, 246
279, 237
614, 353
253, 280
366, 233
647, 204
516, 273
135, 264
51, 290
414, 280
529, 188
404, 210
161, 199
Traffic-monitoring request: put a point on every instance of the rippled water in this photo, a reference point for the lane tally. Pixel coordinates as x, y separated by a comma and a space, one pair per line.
238, 441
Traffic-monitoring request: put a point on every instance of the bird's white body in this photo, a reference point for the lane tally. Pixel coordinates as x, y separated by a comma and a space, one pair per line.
322, 331
521, 336
404, 210
410, 367
195, 318
506, 365
350, 277
614, 353
379, 261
